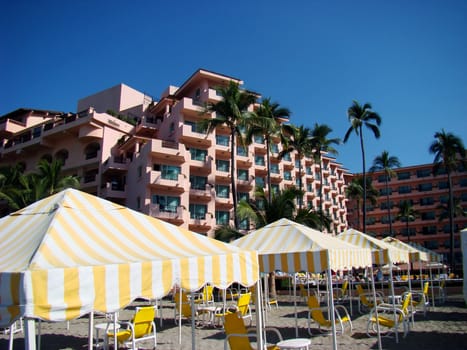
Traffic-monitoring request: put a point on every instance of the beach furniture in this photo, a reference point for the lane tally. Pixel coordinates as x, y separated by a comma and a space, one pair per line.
365, 299
316, 314
391, 316
184, 309
242, 306
140, 328
238, 335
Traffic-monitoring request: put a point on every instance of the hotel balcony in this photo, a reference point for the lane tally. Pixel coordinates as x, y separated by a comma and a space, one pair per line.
173, 215
213, 96
186, 106
148, 126
113, 190
115, 163
202, 224
157, 181
222, 175
188, 136
167, 150
243, 161
224, 202
10, 127
204, 195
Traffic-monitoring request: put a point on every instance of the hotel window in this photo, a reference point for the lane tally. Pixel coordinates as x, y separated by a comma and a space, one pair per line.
243, 196
427, 201
260, 204
241, 151
259, 160
222, 191
222, 165
222, 140
428, 230
166, 203
274, 168
259, 181
403, 175
297, 163
168, 172
274, 148
463, 183
258, 139
242, 174
309, 187
138, 203
425, 187
423, 172
443, 185
308, 170
198, 182
382, 178
244, 224
429, 215
404, 189
287, 175
384, 205
275, 188
198, 211
384, 191
222, 217
286, 157
198, 154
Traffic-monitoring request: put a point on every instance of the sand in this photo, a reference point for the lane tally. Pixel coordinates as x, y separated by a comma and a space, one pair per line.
444, 327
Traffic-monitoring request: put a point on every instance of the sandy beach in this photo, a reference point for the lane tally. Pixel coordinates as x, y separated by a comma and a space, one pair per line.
445, 326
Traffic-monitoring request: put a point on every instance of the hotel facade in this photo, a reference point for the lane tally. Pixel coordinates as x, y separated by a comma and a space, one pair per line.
151, 156
428, 194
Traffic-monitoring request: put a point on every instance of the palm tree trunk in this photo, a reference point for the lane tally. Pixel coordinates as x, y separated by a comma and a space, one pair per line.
268, 160
389, 209
451, 222
300, 180
321, 193
364, 179
407, 228
232, 176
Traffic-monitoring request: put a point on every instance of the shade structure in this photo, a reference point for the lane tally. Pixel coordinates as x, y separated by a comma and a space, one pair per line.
383, 253
415, 255
291, 247
73, 253
432, 256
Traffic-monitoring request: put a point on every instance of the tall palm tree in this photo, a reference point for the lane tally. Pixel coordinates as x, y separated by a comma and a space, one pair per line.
322, 144
406, 213
231, 111
265, 122
359, 116
296, 139
386, 163
449, 152
445, 210
354, 191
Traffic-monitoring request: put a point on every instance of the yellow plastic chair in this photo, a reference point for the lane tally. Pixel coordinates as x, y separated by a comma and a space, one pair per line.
391, 317
340, 294
242, 306
206, 296
140, 328
184, 310
365, 299
421, 298
238, 336
315, 313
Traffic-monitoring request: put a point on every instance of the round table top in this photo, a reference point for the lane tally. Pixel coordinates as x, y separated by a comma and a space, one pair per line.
294, 343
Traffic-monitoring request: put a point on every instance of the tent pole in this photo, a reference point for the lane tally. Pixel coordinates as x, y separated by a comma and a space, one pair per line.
29, 334
193, 314
331, 303
91, 330
259, 320
373, 288
295, 304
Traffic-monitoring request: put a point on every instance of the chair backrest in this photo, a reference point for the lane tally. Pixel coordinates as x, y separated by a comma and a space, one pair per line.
426, 285
345, 285
315, 311
405, 305
208, 293
186, 307
142, 321
243, 303
234, 324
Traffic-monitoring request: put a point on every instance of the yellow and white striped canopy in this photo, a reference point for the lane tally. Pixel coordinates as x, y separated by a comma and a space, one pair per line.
291, 247
432, 256
383, 253
415, 255
73, 253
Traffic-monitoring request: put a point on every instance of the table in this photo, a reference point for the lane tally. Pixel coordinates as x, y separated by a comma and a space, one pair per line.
297, 343
206, 310
106, 327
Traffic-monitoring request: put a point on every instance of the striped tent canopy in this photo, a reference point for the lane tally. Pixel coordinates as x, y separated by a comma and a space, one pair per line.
415, 255
383, 253
73, 253
432, 256
291, 247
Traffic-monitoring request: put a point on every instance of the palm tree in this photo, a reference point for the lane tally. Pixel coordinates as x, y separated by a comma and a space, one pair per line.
296, 139
446, 210
354, 191
321, 144
264, 122
230, 111
386, 163
406, 213
449, 152
50, 174
359, 116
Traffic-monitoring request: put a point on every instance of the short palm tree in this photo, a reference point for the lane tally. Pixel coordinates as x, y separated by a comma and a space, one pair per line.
354, 192
359, 116
386, 163
231, 111
449, 153
406, 213
298, 139
322, 144
264, 122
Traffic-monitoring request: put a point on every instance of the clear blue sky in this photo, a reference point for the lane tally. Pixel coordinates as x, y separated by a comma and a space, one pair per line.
407, 58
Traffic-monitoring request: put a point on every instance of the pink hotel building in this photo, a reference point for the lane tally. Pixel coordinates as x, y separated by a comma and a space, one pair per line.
160, 164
